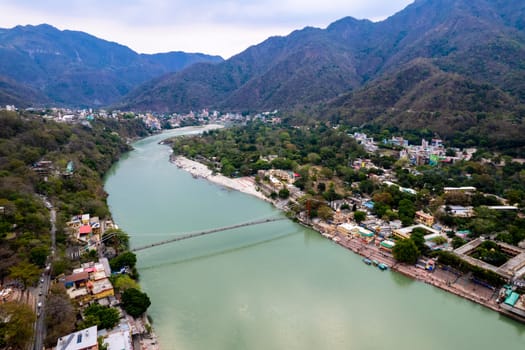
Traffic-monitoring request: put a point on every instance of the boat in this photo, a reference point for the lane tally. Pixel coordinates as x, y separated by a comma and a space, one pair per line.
367, 261
382, 266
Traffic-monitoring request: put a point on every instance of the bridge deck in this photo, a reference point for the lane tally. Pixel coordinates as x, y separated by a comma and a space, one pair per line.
206, 232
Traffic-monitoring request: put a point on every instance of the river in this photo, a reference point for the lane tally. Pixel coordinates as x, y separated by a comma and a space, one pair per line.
277, 285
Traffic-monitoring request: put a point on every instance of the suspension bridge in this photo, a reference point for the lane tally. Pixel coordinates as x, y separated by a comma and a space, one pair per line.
207, 232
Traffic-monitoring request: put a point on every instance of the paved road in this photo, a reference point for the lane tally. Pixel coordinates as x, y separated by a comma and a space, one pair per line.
44, 283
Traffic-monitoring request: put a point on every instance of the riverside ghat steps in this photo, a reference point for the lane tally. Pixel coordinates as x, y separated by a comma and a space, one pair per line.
370, 252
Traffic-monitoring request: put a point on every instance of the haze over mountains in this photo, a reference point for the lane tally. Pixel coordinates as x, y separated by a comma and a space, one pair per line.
41, 65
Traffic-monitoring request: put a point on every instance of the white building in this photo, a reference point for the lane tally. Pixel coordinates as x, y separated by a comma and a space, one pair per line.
85, 339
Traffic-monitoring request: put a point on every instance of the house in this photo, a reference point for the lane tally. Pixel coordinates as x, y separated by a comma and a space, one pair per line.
347, 228
466, 189
387, 245
84, 230
78, 279
406, 232
101, 288
459, 211
94, 222
424, 218
85, 219
85, 339
118, 339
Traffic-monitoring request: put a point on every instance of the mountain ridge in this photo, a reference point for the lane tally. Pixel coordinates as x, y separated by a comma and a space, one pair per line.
482, 40
74, 68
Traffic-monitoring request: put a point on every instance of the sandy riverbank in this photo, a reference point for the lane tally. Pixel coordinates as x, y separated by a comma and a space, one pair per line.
243, 184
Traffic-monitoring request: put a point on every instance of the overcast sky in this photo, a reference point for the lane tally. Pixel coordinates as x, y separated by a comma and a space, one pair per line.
220, 27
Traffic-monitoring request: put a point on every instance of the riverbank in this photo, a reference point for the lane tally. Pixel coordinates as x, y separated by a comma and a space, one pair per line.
198, 170
443, 279
460, 285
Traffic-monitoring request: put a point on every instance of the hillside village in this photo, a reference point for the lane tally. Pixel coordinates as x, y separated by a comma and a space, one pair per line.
154, 122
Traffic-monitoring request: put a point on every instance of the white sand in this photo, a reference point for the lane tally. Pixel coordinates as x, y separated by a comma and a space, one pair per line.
243, 184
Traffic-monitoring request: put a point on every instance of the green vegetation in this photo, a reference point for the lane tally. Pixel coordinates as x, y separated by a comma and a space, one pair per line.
135, 302
26, 139
25, 272
60, 315
491, 253
116, 239
123, 282
359, 216
103, 316
406, 251
258, 146
16, 325
127, 259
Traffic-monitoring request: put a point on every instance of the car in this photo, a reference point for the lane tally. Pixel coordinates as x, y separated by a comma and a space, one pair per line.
39, 304
42, 280
40, 292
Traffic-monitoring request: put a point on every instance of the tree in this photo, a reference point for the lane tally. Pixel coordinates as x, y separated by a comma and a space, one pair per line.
383, 197
406, 211
16, 325
284, 193
325, 212
439, 240
359, 216
128, 259
104, 317
124, 282
457, 242
38, 255
117, 239
406, 251
418, 236
101, 343
60, 314
366, 186
26, 272
135, 302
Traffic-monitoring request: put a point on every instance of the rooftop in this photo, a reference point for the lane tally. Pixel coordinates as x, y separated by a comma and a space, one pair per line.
80, 340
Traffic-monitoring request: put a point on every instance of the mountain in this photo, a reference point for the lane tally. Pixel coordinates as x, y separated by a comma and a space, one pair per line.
77, 69
13, 93
279, 71
479, 42
421, 95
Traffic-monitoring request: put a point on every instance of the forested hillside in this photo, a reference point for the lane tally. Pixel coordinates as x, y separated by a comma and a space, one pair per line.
70, 68
25, 241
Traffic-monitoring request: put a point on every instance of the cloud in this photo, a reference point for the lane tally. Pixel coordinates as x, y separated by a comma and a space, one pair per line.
221, 27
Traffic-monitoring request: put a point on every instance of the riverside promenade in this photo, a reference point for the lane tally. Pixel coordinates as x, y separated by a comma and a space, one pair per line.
458, 284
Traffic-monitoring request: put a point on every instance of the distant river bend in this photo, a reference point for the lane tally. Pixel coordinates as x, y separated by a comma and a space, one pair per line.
276, 285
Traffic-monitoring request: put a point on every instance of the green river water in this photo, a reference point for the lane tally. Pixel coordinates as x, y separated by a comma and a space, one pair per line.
276, 285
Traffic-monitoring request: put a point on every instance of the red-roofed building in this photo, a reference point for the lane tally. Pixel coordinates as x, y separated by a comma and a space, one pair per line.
84, 230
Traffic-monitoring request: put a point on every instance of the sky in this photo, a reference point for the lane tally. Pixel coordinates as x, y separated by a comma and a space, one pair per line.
218, 27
